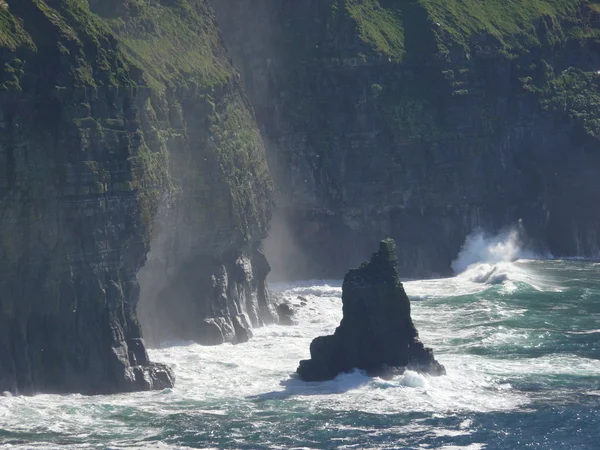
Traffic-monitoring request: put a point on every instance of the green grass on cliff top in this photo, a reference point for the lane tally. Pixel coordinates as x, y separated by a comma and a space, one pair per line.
511, 22
174, 45
12, 34
380, 27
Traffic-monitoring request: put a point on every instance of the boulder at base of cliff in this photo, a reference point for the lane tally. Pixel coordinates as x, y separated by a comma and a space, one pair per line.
286, 314
376, 333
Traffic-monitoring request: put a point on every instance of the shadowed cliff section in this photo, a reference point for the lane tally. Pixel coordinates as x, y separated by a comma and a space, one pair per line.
422, 120
205, 276
74, 189
122, 125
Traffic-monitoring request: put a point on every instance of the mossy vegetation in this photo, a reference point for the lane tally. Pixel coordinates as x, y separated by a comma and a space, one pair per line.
242, 159
10, 77
511, 23
509, 26
77, 36
573, 94
150, 179
69, 17
379, 26
12, 33
174, 45
170, 43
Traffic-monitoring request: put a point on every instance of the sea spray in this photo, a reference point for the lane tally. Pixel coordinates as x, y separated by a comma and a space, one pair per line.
488, 258
483, 247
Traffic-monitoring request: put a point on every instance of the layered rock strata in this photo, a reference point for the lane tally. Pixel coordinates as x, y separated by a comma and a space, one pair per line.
122, 124
422, 120
376, 333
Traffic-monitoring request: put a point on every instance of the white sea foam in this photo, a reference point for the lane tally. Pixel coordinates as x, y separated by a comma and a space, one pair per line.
414, 379
501, 258
481, 247
250, 380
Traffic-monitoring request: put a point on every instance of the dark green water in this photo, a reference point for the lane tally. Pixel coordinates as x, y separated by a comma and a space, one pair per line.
523, 361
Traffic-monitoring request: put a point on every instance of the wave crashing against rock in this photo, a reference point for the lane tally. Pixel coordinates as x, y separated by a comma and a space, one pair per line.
376, 333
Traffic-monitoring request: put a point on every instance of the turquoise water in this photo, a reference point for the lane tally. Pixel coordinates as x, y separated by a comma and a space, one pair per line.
522, 354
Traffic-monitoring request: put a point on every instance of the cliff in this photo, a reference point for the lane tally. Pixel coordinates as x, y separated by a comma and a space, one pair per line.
422, 120
134, 177
124, 131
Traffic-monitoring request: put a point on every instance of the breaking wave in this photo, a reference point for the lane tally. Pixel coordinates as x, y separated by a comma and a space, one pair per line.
481, 247
491, 258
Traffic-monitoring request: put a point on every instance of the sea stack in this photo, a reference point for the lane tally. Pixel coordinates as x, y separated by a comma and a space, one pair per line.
376, 333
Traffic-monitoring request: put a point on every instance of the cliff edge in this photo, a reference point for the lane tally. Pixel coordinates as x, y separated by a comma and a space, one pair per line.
124, 133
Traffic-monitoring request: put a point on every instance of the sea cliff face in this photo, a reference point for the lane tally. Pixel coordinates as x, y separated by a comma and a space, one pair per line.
423, 121
133, 168
124, 131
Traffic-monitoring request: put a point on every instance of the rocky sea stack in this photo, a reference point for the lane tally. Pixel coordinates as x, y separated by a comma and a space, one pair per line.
376, 333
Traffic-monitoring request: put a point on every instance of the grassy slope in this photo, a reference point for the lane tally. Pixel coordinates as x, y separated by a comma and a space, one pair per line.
12, 34
69, 30
379, 26
512, 28
519, 26
512, 24
172, 45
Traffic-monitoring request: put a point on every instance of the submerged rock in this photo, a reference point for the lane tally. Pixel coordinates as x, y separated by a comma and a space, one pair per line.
153, 376
242, 326
286, 314
376, 333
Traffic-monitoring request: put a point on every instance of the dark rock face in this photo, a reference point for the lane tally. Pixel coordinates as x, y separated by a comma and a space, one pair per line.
422, 143
204, 299
376, 333
206, 265
75, 194
112, 153
286, 313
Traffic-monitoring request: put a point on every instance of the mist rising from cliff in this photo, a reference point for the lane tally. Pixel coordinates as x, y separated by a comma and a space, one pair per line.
283, 252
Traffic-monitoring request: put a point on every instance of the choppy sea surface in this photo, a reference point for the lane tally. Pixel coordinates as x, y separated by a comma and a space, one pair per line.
520, 341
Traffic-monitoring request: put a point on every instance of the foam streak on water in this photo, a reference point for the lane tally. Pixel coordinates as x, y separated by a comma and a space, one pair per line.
523, 371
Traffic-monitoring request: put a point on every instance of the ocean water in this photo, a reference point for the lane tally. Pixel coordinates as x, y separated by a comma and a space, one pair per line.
520, 339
